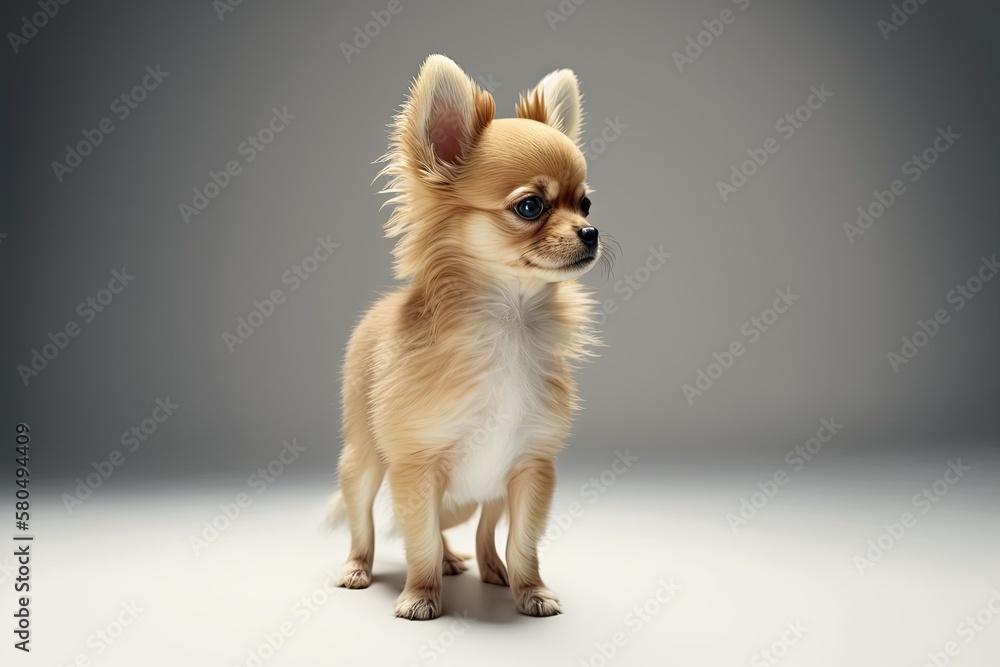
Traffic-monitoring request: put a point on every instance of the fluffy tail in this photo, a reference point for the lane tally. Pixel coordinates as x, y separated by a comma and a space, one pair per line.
336, 513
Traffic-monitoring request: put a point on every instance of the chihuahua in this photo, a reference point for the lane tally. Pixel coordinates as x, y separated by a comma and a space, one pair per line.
458, 385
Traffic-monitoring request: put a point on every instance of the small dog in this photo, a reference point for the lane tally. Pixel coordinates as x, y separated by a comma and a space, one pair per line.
459, 383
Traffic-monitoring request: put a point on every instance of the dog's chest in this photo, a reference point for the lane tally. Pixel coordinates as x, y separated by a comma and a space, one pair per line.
507, 419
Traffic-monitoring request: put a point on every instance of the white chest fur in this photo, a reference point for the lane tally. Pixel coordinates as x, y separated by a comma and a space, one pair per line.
507, 421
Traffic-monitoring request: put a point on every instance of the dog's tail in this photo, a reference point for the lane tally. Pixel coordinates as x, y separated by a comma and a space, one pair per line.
336, 513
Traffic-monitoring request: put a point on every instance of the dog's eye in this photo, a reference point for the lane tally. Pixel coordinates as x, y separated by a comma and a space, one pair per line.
585, 206
530, 208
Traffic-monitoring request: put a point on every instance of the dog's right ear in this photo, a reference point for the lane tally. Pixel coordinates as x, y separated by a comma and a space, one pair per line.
443, 117
555, 101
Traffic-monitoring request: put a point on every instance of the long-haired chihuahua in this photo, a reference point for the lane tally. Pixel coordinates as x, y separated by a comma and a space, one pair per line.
458, 385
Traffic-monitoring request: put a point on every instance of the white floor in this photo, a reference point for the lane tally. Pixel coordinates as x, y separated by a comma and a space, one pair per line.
792, 566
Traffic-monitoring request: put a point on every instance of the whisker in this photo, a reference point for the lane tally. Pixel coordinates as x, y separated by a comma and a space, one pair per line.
605, 263
609, 237
607, 259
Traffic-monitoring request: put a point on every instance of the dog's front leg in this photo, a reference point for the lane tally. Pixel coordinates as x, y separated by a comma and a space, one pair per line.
416, 492
529, 495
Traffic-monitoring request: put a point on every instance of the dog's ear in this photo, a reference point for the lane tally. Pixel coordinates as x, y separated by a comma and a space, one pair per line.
443, 117
555, 101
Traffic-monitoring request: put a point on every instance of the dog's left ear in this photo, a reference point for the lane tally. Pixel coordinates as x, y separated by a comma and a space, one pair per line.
555, 101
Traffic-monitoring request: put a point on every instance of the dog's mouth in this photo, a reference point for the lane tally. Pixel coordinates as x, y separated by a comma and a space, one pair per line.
573, 265
580, 263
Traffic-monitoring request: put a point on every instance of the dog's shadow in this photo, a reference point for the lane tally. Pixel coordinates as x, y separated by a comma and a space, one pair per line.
463, 595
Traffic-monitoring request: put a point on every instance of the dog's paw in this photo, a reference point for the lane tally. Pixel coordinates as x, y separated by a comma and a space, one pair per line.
355, 574
453, 564
494, 572
538, 601
419, 604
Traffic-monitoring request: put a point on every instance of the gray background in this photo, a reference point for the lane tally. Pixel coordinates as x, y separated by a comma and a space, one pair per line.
655, 185
668, 517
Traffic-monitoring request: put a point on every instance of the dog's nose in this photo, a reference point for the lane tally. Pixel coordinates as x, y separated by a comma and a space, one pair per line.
589, 236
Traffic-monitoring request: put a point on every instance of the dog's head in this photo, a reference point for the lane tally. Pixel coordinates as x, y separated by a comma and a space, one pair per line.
507, 196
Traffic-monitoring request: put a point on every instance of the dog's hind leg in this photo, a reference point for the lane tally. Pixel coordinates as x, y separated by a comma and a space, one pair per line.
454, 563
491, 568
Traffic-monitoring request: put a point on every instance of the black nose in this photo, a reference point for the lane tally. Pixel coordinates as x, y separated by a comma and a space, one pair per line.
589, 236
